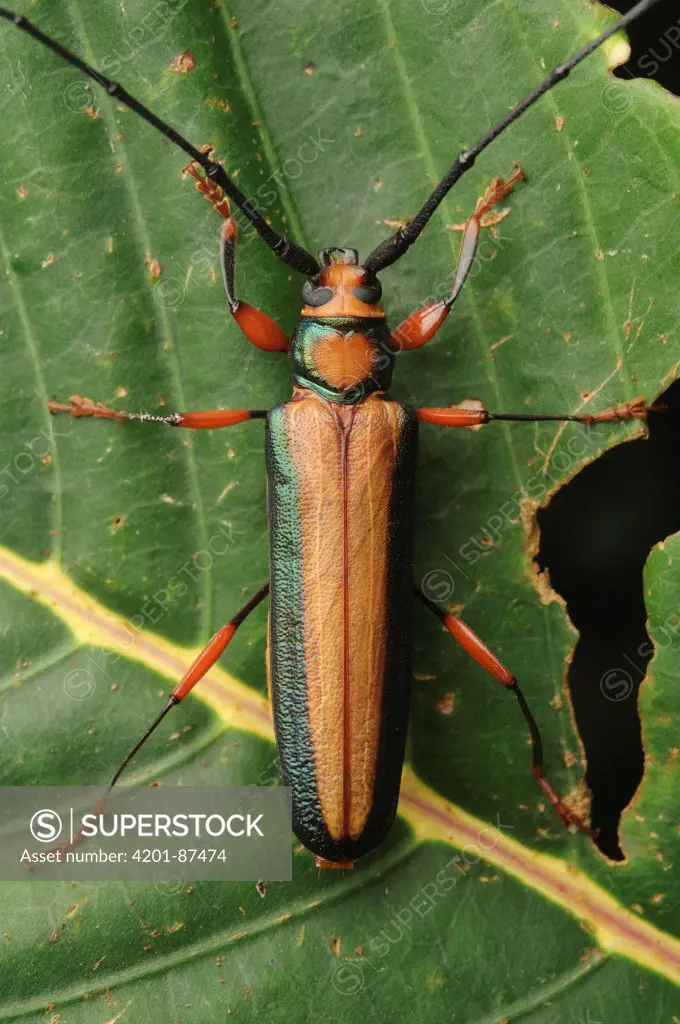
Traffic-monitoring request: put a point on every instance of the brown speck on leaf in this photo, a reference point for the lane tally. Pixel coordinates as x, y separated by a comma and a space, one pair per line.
446, 705
587, 170
7, 936
21, 192
637, 908
261, 888
234, 22
108, 996
599, 255
121, 392
378, 185
117, 523
212, 101
336, 945
48, 261
114, 687
47, 461
358, 132
184, 63
559, 123
310, 68
172, 928
119, 168
557, 702
569, 759
300, 936
591, 955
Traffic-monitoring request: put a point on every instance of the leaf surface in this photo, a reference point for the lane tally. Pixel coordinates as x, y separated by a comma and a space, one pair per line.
334, 119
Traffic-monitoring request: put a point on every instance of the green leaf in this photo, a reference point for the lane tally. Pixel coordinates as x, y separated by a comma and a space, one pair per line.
335, 119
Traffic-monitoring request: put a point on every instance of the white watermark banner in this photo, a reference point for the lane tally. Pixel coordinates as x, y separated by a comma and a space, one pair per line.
145, 833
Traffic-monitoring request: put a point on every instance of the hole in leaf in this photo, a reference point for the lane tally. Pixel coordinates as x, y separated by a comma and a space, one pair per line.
655, 44
596, 535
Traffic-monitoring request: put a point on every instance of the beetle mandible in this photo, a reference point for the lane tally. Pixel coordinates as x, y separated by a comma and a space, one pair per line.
341, 460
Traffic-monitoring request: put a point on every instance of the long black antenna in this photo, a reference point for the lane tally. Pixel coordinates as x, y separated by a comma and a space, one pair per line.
392, 248
286, 249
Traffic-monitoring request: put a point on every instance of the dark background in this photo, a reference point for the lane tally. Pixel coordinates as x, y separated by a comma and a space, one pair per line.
598, 530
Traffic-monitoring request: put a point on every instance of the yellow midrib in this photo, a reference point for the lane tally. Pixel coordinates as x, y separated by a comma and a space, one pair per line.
616, 929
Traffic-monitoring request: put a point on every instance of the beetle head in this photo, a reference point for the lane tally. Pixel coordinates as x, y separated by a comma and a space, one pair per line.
342, 287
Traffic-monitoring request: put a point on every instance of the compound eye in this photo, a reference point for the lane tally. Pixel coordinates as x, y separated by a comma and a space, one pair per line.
314, 295
368, 293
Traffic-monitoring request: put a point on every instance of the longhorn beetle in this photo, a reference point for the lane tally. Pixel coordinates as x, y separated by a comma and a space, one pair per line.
341, 460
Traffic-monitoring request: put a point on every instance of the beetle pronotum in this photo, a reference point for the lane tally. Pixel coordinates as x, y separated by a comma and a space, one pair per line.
341, 459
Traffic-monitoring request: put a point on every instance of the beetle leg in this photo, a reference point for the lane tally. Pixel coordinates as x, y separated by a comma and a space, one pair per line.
633, 410
208, 419
418, 328
201, 666
473, 414
258, 328
478, 650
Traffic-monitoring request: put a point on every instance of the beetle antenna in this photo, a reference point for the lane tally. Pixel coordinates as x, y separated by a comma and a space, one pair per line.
391, 249
285, 248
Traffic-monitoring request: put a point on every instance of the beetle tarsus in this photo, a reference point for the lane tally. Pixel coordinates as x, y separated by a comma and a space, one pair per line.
634, 410
570, 819
210, 190
497, 191
84, 407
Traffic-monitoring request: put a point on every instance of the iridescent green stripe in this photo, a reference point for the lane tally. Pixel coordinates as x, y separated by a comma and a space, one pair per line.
287, 658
